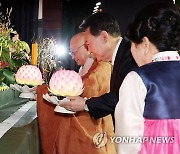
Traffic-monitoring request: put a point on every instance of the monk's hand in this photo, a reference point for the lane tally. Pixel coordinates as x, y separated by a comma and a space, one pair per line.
76, 103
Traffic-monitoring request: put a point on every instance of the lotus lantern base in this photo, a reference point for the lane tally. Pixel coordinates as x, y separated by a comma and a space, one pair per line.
57, 102
26, 92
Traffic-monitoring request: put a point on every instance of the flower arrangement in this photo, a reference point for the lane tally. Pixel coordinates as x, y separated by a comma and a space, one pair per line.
13, 51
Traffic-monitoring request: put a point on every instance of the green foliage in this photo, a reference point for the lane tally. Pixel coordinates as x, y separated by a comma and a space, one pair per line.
13, 51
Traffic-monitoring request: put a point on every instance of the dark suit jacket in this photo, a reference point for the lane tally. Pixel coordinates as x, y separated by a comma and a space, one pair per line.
105, 104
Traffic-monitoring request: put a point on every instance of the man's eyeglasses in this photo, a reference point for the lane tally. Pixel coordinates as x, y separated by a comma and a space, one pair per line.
74, 52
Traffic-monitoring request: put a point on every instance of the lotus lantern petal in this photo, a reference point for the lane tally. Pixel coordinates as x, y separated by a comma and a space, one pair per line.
29, 75
66, 83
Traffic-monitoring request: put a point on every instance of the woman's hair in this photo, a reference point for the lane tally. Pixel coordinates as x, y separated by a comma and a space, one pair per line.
160, 23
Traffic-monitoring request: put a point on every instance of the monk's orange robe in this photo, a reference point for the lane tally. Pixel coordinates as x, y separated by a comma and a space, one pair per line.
73, 134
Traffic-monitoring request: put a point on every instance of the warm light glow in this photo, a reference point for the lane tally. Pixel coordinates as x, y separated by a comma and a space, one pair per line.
66, 83
29, 75
60, 50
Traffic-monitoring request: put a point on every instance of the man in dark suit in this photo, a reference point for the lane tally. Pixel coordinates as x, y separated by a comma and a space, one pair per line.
103, 39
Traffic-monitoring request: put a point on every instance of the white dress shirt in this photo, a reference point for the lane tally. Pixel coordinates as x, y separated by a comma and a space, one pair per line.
115, 51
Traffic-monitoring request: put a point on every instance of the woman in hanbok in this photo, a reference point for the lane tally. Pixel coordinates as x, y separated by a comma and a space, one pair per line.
147, 117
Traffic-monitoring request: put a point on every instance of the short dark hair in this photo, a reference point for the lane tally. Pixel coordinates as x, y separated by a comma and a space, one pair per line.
160, 23
101, 21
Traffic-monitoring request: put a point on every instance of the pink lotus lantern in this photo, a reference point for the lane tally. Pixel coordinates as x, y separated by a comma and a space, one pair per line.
66, 83
29, 75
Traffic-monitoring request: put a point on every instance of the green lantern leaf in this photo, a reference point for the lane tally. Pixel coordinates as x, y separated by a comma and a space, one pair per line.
9, 76
2, 77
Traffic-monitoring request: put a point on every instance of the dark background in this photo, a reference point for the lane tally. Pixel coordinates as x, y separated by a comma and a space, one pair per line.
125, 10
61, 18
24, 17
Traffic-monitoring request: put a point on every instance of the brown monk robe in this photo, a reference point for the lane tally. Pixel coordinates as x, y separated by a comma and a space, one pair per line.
73, 134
